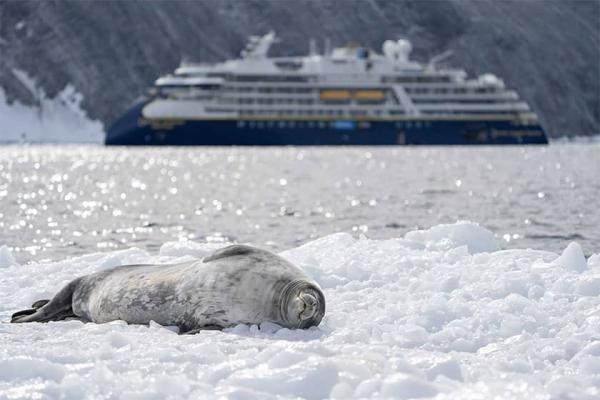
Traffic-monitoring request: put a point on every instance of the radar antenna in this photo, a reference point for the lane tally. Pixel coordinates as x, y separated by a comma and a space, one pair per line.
438, 58
397, 50
313, 47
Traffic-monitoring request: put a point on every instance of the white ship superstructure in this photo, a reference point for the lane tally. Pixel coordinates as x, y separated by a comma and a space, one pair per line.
346, 86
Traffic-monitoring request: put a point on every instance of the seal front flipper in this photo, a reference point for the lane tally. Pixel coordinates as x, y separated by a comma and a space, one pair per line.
59, 308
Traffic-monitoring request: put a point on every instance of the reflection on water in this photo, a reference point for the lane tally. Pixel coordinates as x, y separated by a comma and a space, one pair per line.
60, 201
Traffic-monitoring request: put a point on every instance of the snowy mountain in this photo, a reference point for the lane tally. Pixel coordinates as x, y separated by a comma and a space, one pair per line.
104, 54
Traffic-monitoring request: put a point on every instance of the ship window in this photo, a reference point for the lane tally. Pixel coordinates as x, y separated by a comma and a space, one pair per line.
289, 65
270, 78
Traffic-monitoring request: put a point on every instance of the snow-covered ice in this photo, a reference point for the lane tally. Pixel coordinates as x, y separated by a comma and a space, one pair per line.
437, 313
59, 120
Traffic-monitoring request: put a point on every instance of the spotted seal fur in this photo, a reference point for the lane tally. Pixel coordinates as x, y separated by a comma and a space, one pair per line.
235, 285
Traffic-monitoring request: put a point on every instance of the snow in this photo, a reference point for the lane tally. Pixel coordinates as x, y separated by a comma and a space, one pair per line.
437, 313
59, 119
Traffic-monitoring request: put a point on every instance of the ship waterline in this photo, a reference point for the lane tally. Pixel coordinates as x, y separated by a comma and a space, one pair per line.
348, 96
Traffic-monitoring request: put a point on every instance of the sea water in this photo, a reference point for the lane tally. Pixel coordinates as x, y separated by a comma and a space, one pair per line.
418, 305
63, 201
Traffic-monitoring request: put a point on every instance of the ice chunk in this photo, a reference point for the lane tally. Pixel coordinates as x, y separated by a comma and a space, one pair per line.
28, 368
589, 286
463, 233
572, 258
594, 261
6, 257
403, 386
450, 369
118, 340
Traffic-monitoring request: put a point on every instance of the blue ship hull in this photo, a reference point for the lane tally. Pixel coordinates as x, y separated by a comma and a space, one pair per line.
133, 129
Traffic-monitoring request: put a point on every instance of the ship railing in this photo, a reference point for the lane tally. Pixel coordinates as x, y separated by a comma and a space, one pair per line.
467, 85
507, 95
520, 106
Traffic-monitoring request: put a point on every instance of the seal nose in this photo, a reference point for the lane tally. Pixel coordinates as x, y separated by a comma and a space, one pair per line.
309, 306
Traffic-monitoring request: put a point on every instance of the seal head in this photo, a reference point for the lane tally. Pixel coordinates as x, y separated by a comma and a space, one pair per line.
301, 304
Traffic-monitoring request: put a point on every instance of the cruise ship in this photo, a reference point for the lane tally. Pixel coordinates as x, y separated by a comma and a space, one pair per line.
348, 95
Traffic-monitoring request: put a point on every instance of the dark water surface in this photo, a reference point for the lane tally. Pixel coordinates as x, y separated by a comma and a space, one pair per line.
62, 201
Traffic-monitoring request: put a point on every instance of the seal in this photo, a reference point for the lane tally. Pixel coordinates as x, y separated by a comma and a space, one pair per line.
238, 284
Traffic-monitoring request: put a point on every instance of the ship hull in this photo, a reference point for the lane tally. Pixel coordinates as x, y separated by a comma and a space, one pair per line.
133, 129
